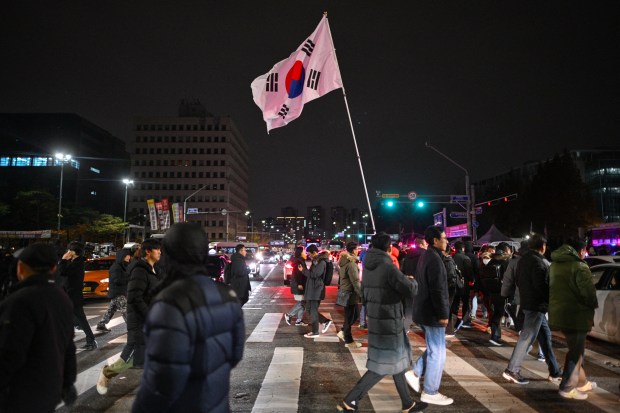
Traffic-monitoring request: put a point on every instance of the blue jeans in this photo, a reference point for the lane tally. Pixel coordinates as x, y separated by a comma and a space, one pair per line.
430, 364
534, 325
363, 315
298, 310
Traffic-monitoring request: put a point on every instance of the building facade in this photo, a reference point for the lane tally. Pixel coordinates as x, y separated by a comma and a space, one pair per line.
195, 160
92, 178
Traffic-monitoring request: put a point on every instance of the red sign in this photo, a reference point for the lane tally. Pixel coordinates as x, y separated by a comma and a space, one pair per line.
457, 231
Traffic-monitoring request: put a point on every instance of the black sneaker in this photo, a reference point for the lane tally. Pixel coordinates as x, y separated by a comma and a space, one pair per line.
496, 342
90, 345
102, 327
514, 377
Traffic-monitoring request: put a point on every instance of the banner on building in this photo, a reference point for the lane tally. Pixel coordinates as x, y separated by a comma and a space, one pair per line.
177, 212
165, 223
153, 214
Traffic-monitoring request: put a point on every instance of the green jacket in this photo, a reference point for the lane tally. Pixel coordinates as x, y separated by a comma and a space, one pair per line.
572, 295
349, 279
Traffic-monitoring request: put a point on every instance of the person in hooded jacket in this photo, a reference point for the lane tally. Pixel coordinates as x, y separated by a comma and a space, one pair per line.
143, 280
298, 286
71, 272
410, 262
315, 289
37, 354
451, 272
202, 321
389, 351
349, 280
491, 277
117, 289
572, 301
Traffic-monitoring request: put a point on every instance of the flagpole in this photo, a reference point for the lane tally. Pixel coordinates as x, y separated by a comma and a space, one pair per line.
346, 103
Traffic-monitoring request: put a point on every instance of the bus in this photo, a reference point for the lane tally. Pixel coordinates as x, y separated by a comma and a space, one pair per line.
605, 236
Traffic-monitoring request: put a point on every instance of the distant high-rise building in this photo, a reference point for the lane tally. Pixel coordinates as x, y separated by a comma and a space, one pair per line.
196, 159
316, 221
338, 219
92, 178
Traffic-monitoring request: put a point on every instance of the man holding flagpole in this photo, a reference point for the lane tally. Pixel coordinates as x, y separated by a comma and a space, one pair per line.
308, 73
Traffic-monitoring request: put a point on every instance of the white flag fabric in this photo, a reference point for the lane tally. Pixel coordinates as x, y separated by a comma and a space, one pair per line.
309, 72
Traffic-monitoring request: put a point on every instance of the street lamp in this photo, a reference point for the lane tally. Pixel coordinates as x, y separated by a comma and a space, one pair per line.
62, 158
127, 182
249, 214
185, 201
467, 191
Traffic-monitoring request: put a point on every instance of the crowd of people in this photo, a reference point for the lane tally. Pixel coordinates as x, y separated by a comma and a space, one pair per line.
167, 301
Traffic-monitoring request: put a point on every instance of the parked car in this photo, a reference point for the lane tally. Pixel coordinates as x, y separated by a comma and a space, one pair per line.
96, 277
606, 278
593, 260
288, 272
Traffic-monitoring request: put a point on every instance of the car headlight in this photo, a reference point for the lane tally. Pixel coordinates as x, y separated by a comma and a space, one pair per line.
259, 256
105, 280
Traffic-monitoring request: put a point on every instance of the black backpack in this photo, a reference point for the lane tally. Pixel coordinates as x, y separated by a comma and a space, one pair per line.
329, 272
491, 277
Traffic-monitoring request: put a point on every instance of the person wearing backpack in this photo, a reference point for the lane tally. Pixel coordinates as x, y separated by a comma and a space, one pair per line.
349, 280
491, 278
315, 289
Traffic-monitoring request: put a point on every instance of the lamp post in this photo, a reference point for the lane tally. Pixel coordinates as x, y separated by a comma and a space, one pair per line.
185, 202
62, 158
127, 182
249, 214
467, 191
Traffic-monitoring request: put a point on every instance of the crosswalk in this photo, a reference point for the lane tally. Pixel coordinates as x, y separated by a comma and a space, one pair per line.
282, 371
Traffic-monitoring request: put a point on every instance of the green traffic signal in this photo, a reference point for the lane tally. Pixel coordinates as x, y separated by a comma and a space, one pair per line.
390, 204
420, 204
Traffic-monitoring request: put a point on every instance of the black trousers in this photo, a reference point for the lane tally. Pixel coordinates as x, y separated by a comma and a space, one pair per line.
368, 381
315, 316
351, 313
82, 321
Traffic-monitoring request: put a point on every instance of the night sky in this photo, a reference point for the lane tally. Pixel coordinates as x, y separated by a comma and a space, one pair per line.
492, 84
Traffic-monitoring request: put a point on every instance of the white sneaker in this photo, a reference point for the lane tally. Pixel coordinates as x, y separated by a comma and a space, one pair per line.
437, 398
353, 344
340, 335
102, 383
326, 326
589, 386
413, 381
573, 394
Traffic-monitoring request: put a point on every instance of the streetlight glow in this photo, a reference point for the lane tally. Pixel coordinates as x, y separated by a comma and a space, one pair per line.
62, 158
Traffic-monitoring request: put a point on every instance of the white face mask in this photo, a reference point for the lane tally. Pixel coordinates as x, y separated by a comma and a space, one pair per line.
485, 261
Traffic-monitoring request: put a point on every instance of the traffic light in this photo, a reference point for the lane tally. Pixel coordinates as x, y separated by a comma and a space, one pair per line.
360, 236
390, 204
420, 204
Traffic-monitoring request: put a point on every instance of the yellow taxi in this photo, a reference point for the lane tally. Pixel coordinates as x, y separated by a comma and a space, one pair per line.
96, 277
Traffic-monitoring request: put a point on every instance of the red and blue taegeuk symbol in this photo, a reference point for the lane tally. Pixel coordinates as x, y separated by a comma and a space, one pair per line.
295, 80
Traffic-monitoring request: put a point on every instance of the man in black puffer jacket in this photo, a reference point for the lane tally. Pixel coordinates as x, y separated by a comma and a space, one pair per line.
142, 283
195, 333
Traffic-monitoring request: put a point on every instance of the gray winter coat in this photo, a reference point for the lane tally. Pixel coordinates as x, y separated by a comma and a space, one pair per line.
315, 287
383, 288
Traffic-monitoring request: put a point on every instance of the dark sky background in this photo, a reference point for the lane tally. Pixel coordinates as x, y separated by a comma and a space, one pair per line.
491, 84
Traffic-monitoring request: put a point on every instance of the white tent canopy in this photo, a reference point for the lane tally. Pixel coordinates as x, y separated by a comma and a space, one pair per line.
493, 235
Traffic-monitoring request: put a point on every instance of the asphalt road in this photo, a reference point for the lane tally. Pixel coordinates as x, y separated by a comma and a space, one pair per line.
282, 371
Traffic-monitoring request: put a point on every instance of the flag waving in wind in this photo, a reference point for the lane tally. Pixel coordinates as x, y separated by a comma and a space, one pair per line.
308, 73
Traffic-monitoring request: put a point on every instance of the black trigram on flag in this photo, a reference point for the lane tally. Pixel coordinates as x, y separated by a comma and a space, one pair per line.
313, 79
272, 83
308, 47
283, 111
